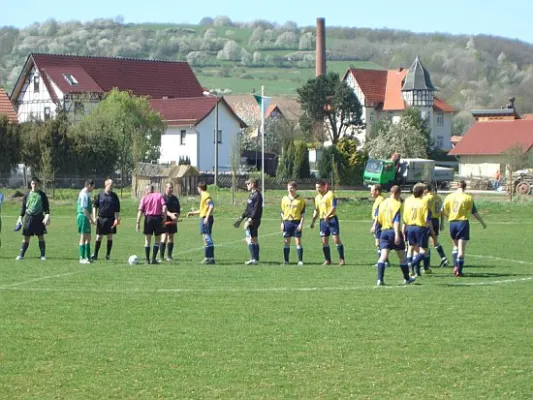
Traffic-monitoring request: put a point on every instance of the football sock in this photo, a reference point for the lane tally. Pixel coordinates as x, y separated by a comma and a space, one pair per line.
460, 264
170, 249
206, 252
147, 252
327, 253
257, 252
405, 271
109, 247
340, 250
300, 251
162, 248
82, 251
440, 250
416, 262
87, 250
286, 253
381, 270
42, 247
251, 247
24, 247
155, 250
97, 245
409, 262
427, 261
210, 250
454, 256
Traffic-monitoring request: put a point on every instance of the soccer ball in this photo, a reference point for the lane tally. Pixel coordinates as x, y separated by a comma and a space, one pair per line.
133, 260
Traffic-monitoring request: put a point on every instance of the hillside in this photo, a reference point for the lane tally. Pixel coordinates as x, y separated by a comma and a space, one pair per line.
471, 72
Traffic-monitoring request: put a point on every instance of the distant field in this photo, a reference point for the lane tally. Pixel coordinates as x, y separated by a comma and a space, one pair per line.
228, 331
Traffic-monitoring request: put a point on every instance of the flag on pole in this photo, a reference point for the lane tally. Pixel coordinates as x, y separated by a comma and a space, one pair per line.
263, 101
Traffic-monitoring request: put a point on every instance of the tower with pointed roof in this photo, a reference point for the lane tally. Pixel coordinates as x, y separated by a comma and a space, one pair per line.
417, 88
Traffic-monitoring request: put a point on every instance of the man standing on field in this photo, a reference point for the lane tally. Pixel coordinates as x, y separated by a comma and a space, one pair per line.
153, 207
1, 201
171, 224
36, 209
85, 220
108, 205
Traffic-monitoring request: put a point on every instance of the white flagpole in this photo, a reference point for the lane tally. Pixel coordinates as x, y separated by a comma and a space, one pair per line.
263, 142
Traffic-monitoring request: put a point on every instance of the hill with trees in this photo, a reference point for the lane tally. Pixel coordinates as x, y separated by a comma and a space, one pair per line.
471, 71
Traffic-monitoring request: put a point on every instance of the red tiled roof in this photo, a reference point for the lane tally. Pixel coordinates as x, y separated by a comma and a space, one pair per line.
189, 110
142, 77
495, 137
393, 93
440, 105
527, 116
455, 139
6, 107
372, 83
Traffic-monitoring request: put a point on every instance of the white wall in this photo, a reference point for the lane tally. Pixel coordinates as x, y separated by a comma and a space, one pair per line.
444, 130
173, 150
32, 102
480, 166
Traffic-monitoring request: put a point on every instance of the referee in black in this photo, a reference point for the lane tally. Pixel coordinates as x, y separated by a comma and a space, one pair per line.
171, 222
253, 214
107, 204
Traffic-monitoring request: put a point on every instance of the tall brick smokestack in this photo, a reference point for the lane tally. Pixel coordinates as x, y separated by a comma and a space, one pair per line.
320, 46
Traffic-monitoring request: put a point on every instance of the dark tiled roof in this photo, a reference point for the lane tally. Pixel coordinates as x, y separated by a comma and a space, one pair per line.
6, 107
417, 77
495, 137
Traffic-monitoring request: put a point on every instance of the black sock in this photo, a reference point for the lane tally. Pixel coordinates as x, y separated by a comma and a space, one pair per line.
42, 247
24, 247
340, 250
327, 253
156, 250
440, 250
300, 251
256, 251
97, 247
147, 252
286, 253
170, 249
381, 271
109, 247
405, 271
162, 248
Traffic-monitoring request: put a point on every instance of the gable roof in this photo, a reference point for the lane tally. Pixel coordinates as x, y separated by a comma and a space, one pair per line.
6, 107
287, 106
142, 77
495, 137
372, 83
190, 110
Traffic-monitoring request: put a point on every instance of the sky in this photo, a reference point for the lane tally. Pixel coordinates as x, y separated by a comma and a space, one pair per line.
499, 18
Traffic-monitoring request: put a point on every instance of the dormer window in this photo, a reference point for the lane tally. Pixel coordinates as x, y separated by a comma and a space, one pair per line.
36, 81
70, 79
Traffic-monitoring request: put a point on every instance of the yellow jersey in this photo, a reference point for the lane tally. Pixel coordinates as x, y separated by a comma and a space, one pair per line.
292, 209
458, 206
205, 202
434, 204
375, 206
324, 203
390, 211
415, 211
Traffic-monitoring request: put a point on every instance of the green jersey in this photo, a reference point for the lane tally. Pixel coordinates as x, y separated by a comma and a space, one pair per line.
34, 203
84, 201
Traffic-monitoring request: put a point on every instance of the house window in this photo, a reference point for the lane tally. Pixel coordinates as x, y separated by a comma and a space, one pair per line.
440, 142
183, 133
70, 79
36, 81
78, 107
219, 136
47, 113
439, 119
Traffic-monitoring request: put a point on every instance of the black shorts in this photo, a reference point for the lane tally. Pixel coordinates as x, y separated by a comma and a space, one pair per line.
33, 225
253, 228
104, 226
170, 228
153, 225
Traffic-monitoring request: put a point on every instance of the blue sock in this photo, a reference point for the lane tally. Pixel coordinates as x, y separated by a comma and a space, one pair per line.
206, 251
211, 251
416, 262
409, 261
252, 251
327, 253
460, 264
340, 250
42, 247
405, 271
454, 256
23, 248
300, 252
381, 270
427, 261
256, 251
286, 253
440, 250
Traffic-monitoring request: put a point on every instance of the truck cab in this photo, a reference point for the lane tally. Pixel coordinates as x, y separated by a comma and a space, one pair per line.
381, 172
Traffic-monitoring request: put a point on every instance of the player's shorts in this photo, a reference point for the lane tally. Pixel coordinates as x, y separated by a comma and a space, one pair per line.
436, 225
386, 241
417, 236
104, 226
329, 227
377, 233
170, 228
206, 229
290, 229
33, 225
460, 230
153, 225
84, 225
253, 229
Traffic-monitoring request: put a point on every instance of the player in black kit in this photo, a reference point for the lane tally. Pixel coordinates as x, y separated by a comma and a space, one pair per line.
107, 205
171, 222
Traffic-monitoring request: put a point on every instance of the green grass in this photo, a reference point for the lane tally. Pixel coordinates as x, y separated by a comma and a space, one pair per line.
228, 331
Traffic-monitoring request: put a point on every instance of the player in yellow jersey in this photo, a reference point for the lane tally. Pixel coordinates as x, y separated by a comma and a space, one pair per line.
206, 222
458, 207
292, 221
390, 218
326, 209
437, 221
375, 193
416, 218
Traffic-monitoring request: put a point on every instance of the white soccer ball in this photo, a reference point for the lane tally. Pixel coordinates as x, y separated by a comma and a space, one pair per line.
133, 260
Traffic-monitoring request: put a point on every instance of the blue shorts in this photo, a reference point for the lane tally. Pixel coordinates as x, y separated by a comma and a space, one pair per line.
386, 241
417, 236
460, 230
290, 229
206, 229
329, 227
377, 233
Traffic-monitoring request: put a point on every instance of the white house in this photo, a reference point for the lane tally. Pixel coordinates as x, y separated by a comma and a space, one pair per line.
385, 93
191, 131
49, 82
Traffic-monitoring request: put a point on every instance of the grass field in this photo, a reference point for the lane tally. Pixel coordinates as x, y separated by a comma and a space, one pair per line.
229, 331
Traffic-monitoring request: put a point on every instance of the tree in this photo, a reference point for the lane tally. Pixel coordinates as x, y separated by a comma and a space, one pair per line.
302, 169
330, 164
328, 100
10, 144
285, 169
352, 162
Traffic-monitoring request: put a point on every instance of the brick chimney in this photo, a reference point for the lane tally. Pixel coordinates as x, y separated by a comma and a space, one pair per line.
320, 46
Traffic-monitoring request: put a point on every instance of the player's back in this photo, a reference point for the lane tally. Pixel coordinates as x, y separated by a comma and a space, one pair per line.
458, 206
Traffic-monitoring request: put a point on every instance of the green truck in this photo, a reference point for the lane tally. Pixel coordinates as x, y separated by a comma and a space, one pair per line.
406, 173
